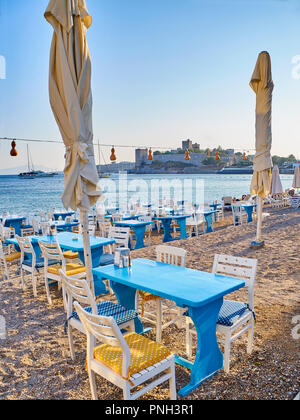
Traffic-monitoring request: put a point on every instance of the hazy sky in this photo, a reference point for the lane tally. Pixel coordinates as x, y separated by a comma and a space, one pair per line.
163, 71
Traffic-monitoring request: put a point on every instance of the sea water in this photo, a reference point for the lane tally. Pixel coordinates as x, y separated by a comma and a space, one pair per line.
29, 196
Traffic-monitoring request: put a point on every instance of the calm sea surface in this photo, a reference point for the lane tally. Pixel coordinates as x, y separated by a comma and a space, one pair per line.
27, 197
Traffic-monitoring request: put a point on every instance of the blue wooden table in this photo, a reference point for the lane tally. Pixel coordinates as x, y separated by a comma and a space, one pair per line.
199, 292
16, 223
62, 214
208, 214
166, 222
215, 206
139, 228
249, 210
62, 226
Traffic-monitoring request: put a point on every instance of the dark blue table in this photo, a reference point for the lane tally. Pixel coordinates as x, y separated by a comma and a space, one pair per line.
63, 215
249, 210
16, 223
166, 222
208, 214
199, 292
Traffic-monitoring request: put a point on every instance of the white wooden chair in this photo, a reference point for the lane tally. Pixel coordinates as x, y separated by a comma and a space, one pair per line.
168, 255
6, 260
238, 213
52, 253
136, 359
27, 231
193, 225
121, 235
235, 318
75, 289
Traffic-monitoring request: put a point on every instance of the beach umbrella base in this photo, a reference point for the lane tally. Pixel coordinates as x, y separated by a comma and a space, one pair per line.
257, 245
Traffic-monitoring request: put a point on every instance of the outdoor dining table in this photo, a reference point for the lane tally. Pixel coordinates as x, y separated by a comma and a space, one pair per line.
72, 242
16, 223
208, 214
166, 222
124, 217
249, 210
139, 228
62, 214
201, 293
62, 226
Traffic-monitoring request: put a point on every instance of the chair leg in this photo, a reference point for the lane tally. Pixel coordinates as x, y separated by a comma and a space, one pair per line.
92, 380
126, 392
227, 353
172, 384
250, 338
158, 320
48, 290
22, 279
71, 343
33, 278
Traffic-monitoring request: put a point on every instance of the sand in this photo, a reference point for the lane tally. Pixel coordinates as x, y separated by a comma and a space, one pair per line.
35, 361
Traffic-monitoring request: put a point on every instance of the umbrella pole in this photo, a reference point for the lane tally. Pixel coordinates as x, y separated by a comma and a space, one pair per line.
84, 221
258, 243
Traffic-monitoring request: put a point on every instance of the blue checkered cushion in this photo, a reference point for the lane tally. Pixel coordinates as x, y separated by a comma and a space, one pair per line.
107, 308
39, 263
231, 311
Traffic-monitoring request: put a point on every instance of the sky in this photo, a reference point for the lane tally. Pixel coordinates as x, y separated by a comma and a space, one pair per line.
163, 71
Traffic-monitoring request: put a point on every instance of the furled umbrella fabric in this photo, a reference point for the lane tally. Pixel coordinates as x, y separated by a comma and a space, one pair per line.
262, 84
71, 99
276, 181
296, 180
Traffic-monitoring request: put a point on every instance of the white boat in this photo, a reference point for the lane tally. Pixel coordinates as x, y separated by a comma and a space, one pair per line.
32, 174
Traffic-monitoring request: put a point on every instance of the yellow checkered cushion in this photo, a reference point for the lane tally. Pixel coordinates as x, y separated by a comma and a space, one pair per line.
70, 255
13, 256
143, 354
71, 269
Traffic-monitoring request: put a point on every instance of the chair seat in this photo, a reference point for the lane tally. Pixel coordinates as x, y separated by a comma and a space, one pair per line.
106, 259
231, 311
144, 353
71, 269
13, 256
70, 255
39, 263
107, 308
146, 297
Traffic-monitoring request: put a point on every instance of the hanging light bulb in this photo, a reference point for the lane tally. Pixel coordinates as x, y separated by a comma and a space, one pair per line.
244, 156
187, 155
113, 156
218, 156
13, 151
150, 155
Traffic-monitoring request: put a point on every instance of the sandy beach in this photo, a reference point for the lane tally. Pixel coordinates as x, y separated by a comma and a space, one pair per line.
35, 361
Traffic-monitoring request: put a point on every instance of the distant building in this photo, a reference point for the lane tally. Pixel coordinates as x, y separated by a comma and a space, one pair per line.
187, 144
196, 146
140, 157
114, 168
195, 158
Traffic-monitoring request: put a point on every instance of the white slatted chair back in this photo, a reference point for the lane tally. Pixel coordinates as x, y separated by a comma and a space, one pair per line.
105, 330
171, 255
121, 235
26, 247
3, 262
6, 233
52, 251
36, 226
243, 268
45, 227
75, 289
92, 229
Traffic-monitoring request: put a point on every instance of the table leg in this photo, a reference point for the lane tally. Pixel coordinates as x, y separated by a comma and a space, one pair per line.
182, 226
249, 212
99, 286
209, 358
127, 297
208, 219
139, 233
167, 230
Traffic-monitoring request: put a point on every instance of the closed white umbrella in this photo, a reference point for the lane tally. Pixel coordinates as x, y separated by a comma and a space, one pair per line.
276, 181
262, 84
71, 102
296, 180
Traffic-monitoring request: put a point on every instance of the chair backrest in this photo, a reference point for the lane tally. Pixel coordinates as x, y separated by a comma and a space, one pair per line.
120, 235
6, 233
171, 255
3, 263
77, 290
105, 330
36, 226
26, 247
52, 251
242, 268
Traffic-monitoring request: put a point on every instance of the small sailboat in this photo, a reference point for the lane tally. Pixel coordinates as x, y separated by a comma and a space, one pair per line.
31, 173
